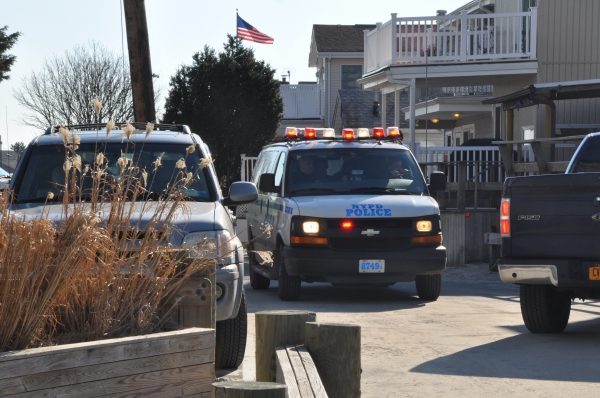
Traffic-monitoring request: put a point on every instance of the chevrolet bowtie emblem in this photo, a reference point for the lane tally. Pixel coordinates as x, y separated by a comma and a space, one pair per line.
370, 232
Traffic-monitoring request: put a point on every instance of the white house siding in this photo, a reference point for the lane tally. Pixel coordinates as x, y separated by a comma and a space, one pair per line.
336, 84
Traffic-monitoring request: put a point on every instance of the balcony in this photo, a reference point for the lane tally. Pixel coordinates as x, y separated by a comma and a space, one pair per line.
451, 39
302, 101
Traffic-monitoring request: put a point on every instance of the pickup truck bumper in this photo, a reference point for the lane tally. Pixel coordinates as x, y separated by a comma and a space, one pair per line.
567, 274
230, 279
343, 267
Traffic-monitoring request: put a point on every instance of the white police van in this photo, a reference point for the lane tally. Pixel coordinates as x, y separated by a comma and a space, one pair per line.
350, 210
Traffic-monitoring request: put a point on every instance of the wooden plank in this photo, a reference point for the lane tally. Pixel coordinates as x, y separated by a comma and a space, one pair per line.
557, 167
525, 168
153, 379
11, 386
194, 388
20, 363
300, 373
86, 390
195, 292
248, 389
311, 371
86, 374
285, 373
540, 156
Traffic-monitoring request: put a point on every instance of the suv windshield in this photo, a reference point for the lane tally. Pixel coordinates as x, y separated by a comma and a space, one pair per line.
44, 171
352, 170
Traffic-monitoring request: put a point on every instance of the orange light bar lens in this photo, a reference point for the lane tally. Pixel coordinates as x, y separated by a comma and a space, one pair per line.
310, 133
291, 133
308, 240
378, 133
395, 133
347, 224
348, 134
426, 239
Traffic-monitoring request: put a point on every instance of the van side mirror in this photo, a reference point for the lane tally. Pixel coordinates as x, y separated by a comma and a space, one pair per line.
437, 181
240, 193
266, 183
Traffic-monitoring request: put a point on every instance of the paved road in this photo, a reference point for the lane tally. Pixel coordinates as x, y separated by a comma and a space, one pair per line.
471, 342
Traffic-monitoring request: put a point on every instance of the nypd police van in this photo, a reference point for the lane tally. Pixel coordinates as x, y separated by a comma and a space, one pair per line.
349, 210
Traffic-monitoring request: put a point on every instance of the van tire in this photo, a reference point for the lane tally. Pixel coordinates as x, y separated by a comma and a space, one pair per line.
231, 338
288, 285
544, 308
429, 286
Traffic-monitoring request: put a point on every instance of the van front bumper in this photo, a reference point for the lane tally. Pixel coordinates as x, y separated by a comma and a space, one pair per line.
343, 266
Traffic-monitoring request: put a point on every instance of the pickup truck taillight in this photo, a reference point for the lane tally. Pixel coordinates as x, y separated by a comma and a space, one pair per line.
505, 218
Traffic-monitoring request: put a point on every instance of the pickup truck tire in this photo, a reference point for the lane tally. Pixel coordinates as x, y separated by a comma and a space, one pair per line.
544, 309
289, 286
429, 286
231, 339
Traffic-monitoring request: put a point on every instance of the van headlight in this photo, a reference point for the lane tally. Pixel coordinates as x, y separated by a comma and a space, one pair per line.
219, 245
424, 226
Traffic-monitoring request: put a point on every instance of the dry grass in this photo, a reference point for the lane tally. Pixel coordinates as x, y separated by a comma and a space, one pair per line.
90, 277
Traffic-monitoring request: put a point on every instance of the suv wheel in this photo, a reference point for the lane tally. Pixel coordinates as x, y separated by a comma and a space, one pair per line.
544, 309
231, 338
289, 286
429, 286
257, 281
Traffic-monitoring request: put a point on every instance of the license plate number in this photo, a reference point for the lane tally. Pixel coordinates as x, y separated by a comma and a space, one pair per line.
595, 273
371, 265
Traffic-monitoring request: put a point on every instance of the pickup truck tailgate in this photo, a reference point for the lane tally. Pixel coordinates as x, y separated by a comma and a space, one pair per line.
556, 216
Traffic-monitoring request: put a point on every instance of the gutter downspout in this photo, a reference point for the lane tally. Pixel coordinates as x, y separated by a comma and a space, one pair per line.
329, 91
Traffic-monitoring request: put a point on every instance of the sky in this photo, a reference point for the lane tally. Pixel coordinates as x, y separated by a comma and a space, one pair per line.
177, 29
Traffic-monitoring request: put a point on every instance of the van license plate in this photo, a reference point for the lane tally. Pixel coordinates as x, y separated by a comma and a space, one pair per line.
371, 265
595, 273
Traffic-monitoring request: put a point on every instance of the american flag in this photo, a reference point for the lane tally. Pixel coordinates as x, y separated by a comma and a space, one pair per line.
248, 32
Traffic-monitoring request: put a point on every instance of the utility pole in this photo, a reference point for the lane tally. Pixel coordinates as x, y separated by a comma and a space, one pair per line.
140, 66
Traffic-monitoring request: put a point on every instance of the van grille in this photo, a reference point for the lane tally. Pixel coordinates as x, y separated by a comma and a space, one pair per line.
369, 243
372, 223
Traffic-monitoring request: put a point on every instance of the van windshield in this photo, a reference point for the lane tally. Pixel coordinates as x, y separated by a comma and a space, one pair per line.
353, 171
44, 169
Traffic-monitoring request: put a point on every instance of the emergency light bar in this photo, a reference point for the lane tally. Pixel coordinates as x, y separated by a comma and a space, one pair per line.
349, 135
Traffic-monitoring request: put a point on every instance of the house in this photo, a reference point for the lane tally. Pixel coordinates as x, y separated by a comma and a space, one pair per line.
489, 48
336, 99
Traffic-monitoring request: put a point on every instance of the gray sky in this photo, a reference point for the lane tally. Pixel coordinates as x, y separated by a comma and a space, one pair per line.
178, 29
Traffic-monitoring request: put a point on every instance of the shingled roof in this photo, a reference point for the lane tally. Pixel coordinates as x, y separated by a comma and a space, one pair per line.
340, 38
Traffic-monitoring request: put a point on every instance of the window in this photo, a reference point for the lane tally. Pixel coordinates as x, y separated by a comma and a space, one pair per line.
350, 74
279, 169
528, 133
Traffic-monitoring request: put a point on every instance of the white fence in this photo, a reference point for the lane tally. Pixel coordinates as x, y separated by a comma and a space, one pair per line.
451, 38
301, 101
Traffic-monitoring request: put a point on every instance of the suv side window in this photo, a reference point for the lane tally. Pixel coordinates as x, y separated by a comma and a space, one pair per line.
279, 170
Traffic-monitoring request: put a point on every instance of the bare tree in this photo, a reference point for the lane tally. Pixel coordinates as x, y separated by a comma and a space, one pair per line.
62, 92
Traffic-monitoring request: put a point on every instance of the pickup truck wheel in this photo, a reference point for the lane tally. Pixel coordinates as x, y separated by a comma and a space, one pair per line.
231, 338
257, 281
429, 286
544, 309
289, 286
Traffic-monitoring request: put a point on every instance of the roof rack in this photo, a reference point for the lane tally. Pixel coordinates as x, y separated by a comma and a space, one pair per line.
182, 128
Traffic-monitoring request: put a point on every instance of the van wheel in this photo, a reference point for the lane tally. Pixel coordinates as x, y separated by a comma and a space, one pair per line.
231, 338
289, 286
544, 309
257, 281
429, 286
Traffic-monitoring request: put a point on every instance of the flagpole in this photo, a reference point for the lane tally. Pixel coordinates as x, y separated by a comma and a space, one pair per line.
236, 23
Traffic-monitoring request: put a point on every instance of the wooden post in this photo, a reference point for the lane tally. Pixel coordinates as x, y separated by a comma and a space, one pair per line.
248, 389
274, 329
335, 350
140, 66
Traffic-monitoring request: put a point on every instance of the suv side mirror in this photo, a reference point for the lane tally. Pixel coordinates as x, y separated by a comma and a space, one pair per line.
240, 193
266, 183
437, 181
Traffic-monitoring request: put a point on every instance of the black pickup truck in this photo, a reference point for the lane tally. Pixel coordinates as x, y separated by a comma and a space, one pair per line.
550, 228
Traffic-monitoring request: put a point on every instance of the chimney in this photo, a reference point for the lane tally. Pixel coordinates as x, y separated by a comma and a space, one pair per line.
441, 13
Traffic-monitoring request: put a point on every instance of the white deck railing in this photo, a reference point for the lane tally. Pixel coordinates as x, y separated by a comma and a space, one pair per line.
451, 38
301, 101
